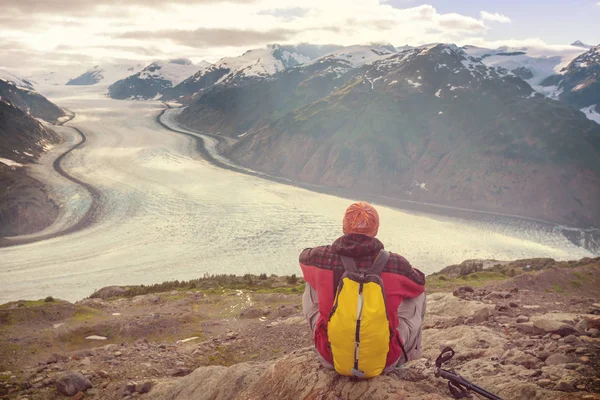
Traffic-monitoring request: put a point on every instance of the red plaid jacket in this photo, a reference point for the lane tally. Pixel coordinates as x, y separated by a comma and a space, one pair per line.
322, 269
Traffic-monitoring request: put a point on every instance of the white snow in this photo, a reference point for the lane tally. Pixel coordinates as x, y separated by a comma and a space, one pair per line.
96, 337
258, 63
549, 91
49, 78
438, 93
169, 71
415, 84
108, 74
241, 135
356, 56
28, 154
393, 82
441, 112
10, 163
591, 113
187, 339
541, 63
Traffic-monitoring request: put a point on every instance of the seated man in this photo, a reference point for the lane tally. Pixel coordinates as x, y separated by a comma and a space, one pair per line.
372, 280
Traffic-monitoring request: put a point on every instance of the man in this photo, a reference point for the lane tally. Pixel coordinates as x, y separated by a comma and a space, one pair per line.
403, 287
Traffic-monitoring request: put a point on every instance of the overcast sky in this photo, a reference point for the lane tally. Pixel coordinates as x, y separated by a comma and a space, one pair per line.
53, 35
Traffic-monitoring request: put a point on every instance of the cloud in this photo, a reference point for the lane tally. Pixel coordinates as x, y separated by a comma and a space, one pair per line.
459, 22
76, 7
286, 14
495, 17
207, 37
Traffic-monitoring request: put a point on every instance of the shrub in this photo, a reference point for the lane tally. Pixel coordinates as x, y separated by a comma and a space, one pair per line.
292, 280
49, 299
263, 277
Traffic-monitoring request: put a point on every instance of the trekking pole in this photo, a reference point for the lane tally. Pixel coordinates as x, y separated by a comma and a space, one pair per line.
459, 387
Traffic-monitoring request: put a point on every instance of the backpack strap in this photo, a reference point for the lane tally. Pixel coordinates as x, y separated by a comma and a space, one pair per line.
380, 262
377, 267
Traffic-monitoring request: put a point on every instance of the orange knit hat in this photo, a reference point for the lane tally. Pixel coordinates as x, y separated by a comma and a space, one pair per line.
361, 218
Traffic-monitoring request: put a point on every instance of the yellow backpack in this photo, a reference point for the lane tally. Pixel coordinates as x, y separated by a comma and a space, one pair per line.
358, 328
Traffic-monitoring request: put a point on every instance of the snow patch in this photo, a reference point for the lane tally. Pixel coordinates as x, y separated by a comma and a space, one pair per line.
10, 163
415, 84
591, 113
437, 94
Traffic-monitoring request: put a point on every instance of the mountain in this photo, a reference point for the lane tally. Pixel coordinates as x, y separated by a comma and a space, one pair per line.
579, 83
256, 64
430, 124
105, 74
20, 93
24, 205
579, 43
154, 79
233, 107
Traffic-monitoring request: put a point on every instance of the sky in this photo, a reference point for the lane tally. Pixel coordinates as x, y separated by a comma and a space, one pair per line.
73, 35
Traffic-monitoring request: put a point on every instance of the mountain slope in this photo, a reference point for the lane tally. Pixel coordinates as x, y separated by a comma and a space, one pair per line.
105, 74
20, 93
434, 124
24, 205
153, 80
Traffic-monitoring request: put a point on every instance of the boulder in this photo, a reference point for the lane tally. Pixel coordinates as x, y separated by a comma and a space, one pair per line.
70, 382
556, 359
498, 295
558, 323
528, 328
252, 312
444, 307
517, 357
522, 318
299, 375
468, 342
592, 321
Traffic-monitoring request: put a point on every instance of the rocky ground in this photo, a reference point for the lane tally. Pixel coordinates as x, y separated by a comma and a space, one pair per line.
524, 330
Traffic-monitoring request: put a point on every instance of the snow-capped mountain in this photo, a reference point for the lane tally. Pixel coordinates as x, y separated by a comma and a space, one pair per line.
49, 79
253, 65
106, 74
20, 93
579, 43
252, 101
347, 58
530, 65
154, 79
579, 83
15, 80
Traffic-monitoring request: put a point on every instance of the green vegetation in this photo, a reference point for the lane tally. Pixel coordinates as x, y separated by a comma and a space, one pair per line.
83, 313
477, 279
558, 289
292, 280
216, 284
49, 299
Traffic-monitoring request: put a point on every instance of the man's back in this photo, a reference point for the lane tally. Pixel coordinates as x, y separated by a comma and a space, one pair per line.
322, 268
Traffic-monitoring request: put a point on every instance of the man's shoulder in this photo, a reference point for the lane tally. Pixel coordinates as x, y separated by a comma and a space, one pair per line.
398, 260
399, 265
321, 256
